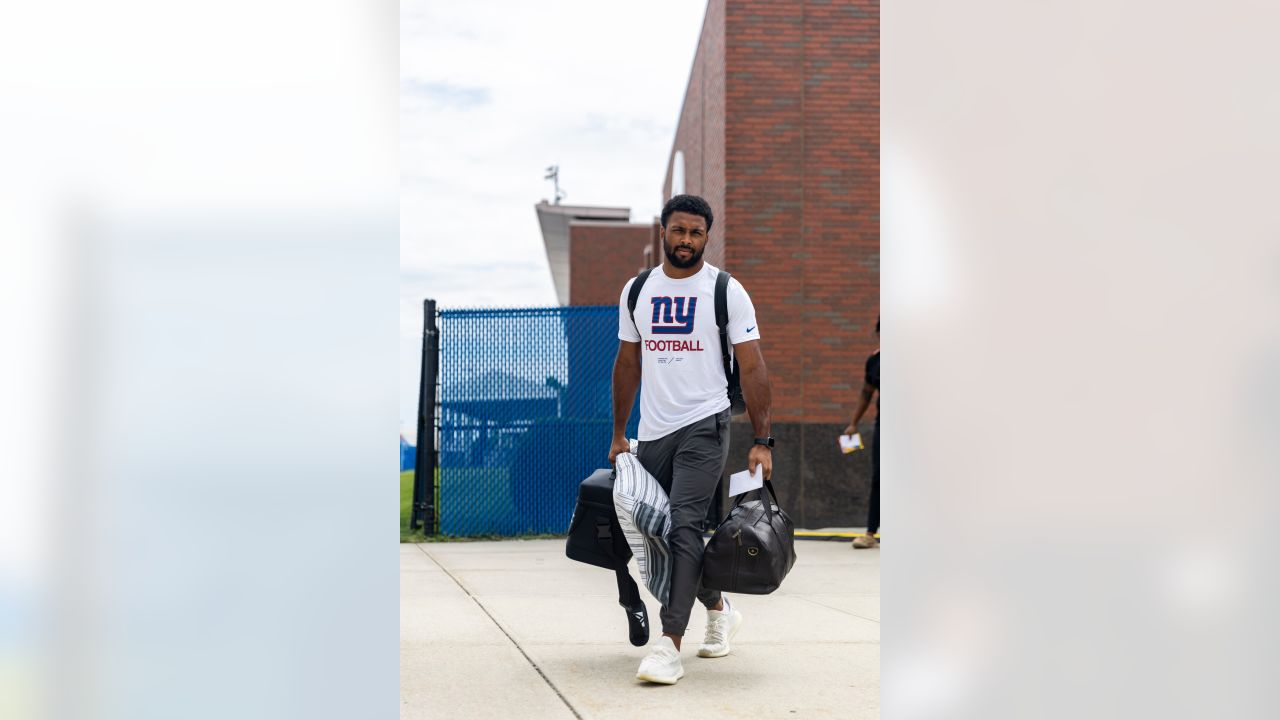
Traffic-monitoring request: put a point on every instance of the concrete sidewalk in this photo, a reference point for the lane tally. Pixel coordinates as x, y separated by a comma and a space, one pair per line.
514, 629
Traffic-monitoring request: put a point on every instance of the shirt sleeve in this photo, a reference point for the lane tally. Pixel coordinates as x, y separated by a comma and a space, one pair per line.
742, 314
626, 328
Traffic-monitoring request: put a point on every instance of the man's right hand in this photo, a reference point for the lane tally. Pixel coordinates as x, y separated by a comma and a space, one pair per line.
620, 445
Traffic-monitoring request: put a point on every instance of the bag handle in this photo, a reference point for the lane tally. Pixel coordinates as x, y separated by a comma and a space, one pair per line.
768, 507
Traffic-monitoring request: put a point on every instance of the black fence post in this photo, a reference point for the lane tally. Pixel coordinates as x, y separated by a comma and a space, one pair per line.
424, 508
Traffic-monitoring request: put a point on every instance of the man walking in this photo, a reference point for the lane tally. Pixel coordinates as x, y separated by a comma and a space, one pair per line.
674, 342
870, 389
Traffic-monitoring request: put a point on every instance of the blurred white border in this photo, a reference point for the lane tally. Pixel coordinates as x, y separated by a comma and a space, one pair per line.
199, 231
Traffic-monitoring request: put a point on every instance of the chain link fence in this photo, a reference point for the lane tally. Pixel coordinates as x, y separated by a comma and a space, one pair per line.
525, 415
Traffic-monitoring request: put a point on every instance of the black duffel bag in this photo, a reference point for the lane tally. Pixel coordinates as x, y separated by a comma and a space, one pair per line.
596, 538
753, 549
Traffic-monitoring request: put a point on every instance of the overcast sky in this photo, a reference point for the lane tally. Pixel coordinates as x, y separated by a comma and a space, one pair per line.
494, 91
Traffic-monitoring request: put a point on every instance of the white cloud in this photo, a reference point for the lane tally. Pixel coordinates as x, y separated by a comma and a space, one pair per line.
491, 93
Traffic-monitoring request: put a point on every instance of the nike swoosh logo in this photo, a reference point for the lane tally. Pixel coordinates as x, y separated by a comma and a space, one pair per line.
753, 327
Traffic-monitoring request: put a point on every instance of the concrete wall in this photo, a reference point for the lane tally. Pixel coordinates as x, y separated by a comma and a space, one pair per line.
817, 485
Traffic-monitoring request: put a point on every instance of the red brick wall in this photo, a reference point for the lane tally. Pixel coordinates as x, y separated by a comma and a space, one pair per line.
603, 257
700, 132
801, 197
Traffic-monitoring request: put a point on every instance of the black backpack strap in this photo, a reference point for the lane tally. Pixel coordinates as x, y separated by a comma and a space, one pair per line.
722, 318
634, 296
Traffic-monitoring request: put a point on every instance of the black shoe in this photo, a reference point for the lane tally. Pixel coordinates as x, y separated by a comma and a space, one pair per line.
638, 624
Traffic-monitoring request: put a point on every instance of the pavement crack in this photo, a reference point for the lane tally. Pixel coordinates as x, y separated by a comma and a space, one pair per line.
832, 607
494, 620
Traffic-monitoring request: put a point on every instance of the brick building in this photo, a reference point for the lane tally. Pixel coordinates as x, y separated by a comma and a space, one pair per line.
779, 131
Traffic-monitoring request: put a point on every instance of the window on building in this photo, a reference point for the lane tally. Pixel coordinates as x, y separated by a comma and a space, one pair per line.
677, 175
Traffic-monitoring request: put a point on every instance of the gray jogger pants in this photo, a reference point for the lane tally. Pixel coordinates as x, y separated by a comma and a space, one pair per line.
687, 463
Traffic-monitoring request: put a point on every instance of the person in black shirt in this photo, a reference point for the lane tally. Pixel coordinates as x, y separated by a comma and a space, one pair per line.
870, 388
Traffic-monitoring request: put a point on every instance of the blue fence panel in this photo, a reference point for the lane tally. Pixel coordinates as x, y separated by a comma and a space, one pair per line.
408, 454
525, 415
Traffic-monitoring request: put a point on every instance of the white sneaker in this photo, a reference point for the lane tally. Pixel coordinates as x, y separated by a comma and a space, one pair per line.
722, 625
663, 663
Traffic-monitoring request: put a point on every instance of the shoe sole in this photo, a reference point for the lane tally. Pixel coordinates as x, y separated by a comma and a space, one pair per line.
660, 680
733, 631
643, 638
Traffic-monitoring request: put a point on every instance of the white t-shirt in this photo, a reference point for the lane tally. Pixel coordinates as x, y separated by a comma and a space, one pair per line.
682, 371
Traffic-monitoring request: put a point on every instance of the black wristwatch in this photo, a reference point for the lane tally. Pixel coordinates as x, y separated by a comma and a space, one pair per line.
767, 442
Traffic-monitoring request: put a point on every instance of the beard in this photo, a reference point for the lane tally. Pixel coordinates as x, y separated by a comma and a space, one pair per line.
676, 261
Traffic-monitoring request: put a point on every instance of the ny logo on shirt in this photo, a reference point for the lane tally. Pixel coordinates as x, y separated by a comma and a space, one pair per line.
673, 315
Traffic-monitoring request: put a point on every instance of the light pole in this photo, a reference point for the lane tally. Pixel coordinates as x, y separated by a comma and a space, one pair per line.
553, 174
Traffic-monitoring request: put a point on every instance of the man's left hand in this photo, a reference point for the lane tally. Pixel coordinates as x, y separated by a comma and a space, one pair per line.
760, 455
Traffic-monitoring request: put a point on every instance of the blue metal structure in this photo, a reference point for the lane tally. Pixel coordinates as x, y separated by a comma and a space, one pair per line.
525, 415
406, 454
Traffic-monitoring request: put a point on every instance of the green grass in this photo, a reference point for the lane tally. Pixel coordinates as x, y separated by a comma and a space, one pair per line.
406, 505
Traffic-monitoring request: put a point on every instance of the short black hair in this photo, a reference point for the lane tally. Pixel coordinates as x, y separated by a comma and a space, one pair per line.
691, 204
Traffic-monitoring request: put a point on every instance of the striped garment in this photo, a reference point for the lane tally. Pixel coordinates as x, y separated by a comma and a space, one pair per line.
645, 516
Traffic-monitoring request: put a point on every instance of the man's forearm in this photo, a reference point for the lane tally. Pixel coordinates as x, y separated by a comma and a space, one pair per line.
626, 381
864, 402
755, 390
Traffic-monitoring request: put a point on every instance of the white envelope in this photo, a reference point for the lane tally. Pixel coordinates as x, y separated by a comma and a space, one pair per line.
744, 481
849, 443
